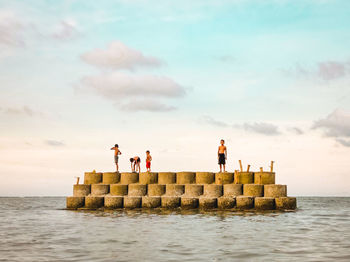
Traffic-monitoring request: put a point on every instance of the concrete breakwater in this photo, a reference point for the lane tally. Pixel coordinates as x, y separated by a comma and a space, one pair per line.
207, 190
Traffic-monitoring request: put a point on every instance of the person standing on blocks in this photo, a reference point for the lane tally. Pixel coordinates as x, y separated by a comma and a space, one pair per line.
116, 155
135, 164
222, 155
148, 161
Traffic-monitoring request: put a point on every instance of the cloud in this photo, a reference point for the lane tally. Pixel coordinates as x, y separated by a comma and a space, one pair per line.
336, 124
11, 29
262, 128
24, 110
54, 143
211, 121
343, 142
146, 105
119, 56
66, 30
296, 130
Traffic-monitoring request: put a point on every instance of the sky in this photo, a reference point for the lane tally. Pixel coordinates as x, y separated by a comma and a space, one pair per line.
270, 77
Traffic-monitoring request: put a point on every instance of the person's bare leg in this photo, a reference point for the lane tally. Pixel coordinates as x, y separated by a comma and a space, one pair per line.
117, 167
220, 168
224, 168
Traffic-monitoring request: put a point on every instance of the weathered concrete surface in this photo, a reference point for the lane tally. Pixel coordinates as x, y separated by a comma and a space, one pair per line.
189, 202
99, 189
275, 191
170, 201
244, 178
207, 202
226, 202
94, 202
165, 178
137, 190
264, 178
205, 177
244, 202
253, 190
129, 178
264, 203
185, 178
224, 178
286, 203
151, 202
92, 178
174, 190
212, 190
233, 190
156, 190
148, 178
118, 190
193, 190
110, 178
112, 202
81, 190
132, 202
75, 202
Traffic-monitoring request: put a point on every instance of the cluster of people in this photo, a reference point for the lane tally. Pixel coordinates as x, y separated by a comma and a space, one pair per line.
136, 160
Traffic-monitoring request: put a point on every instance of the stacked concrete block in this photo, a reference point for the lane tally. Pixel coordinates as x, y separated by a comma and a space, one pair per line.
188, 190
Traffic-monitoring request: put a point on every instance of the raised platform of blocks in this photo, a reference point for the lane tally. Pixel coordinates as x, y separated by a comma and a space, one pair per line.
207, 190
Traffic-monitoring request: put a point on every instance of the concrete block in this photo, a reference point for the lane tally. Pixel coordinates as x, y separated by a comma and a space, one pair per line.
207, 202
118, 190
264, 178
224, 178
226, 202
193, 190
212, 190
74, 202
189, 202
170, 201
151, 202
244, 178
94, 202
205, 177
165, 178
253, 190
81, 190
275, 191
137, 190
112, 202
148, 178
286, 203
185, 178
110, 178
132, 201
129, 178
233, 190
244, 202
92, 178
156, 190
264, 203
174, 190
99, 189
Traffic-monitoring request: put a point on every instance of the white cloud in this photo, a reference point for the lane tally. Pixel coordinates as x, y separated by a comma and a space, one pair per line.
262, 128
11, 29
67, 29
54, 143
119, 56
146, 105
296, 130
211, 121
336, 124
24, 110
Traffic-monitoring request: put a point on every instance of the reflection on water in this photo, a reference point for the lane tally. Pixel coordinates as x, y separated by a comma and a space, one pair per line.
40, 229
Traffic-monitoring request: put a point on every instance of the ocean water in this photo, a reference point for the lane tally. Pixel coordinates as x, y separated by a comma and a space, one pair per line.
39, 229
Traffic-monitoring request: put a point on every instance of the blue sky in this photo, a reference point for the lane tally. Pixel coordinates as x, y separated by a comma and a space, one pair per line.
271, 77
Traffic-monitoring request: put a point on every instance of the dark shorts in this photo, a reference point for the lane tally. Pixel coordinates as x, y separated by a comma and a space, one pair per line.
116, 158
222, 160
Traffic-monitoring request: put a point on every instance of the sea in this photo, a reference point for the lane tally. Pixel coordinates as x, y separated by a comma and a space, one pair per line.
40, 229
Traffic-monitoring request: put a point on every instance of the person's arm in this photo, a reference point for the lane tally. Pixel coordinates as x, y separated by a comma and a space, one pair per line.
225, 152
150, 158
218, 151
112, 148
119, 153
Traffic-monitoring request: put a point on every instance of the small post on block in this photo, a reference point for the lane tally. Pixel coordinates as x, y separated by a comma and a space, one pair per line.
248, 168
240, 165
261, 169
78, 178
272, 165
